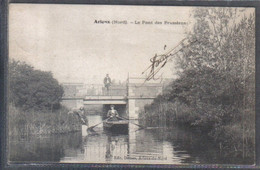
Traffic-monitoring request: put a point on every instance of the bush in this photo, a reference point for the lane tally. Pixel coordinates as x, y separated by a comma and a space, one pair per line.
34, 103
32, 89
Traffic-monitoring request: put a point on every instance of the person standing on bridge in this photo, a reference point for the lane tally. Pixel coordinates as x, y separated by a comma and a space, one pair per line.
107, 83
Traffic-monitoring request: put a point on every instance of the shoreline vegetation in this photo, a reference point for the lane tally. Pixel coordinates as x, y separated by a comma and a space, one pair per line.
26, 123
34, 103
215, 89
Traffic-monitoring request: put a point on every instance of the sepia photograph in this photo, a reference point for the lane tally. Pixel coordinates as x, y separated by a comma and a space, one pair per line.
130, 84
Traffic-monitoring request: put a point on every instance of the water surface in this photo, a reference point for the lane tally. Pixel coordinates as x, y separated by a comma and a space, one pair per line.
149, 146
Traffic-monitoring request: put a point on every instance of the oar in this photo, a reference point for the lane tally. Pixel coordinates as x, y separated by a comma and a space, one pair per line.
132, 122
91, 127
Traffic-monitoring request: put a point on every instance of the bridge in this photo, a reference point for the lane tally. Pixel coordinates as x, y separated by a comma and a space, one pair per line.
129, 98
104, 100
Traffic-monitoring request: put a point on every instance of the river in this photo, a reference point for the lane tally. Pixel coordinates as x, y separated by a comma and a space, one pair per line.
149, 146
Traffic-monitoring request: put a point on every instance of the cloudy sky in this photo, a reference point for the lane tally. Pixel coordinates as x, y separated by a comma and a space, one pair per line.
65, 40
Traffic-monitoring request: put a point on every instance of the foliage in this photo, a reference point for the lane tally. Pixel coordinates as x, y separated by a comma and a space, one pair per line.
33, 89
34, 103
215, 90
37, 123
225, 39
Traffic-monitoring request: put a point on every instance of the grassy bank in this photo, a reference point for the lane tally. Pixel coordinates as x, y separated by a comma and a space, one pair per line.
39, 122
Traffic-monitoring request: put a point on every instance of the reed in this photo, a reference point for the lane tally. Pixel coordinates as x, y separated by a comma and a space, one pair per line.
38, 122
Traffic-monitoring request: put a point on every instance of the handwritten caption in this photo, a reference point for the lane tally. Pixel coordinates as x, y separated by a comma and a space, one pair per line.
159, 61
140, 22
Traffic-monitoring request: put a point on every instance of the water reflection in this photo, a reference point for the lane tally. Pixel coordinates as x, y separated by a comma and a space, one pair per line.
149, 146
43, 148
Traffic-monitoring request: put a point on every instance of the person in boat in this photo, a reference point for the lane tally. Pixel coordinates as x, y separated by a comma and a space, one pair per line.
112, 114
107, 83
80, 113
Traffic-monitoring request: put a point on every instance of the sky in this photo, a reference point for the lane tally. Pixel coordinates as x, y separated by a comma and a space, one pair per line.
65, 39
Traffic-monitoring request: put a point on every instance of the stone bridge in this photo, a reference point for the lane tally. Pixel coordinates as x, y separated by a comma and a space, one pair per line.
129, 98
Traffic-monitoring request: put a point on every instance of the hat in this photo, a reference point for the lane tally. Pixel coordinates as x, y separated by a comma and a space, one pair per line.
112, 105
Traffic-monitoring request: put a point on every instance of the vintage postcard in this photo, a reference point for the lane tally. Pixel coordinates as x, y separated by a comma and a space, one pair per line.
131, 84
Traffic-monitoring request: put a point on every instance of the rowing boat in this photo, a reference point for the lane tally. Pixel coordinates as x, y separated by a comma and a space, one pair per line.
118, 126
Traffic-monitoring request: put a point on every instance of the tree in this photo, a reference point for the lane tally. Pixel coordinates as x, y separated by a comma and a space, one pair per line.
223, 66
225, 37
33, 89
215, 90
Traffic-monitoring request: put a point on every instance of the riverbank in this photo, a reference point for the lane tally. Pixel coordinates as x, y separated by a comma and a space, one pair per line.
217, 103
233, 137
31, 122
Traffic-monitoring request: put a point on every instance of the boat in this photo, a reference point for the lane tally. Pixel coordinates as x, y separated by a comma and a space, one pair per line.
117, 126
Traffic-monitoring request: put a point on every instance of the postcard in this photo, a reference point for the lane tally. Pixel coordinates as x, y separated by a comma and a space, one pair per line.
121, 84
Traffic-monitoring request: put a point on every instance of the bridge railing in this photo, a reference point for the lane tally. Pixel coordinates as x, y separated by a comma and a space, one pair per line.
94, 90
100, 90
137, 84
142, 80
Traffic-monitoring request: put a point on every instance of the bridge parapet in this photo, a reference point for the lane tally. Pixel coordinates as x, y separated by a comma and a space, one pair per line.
137, 88
115, 90
141, 94
76, 90
71, 90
